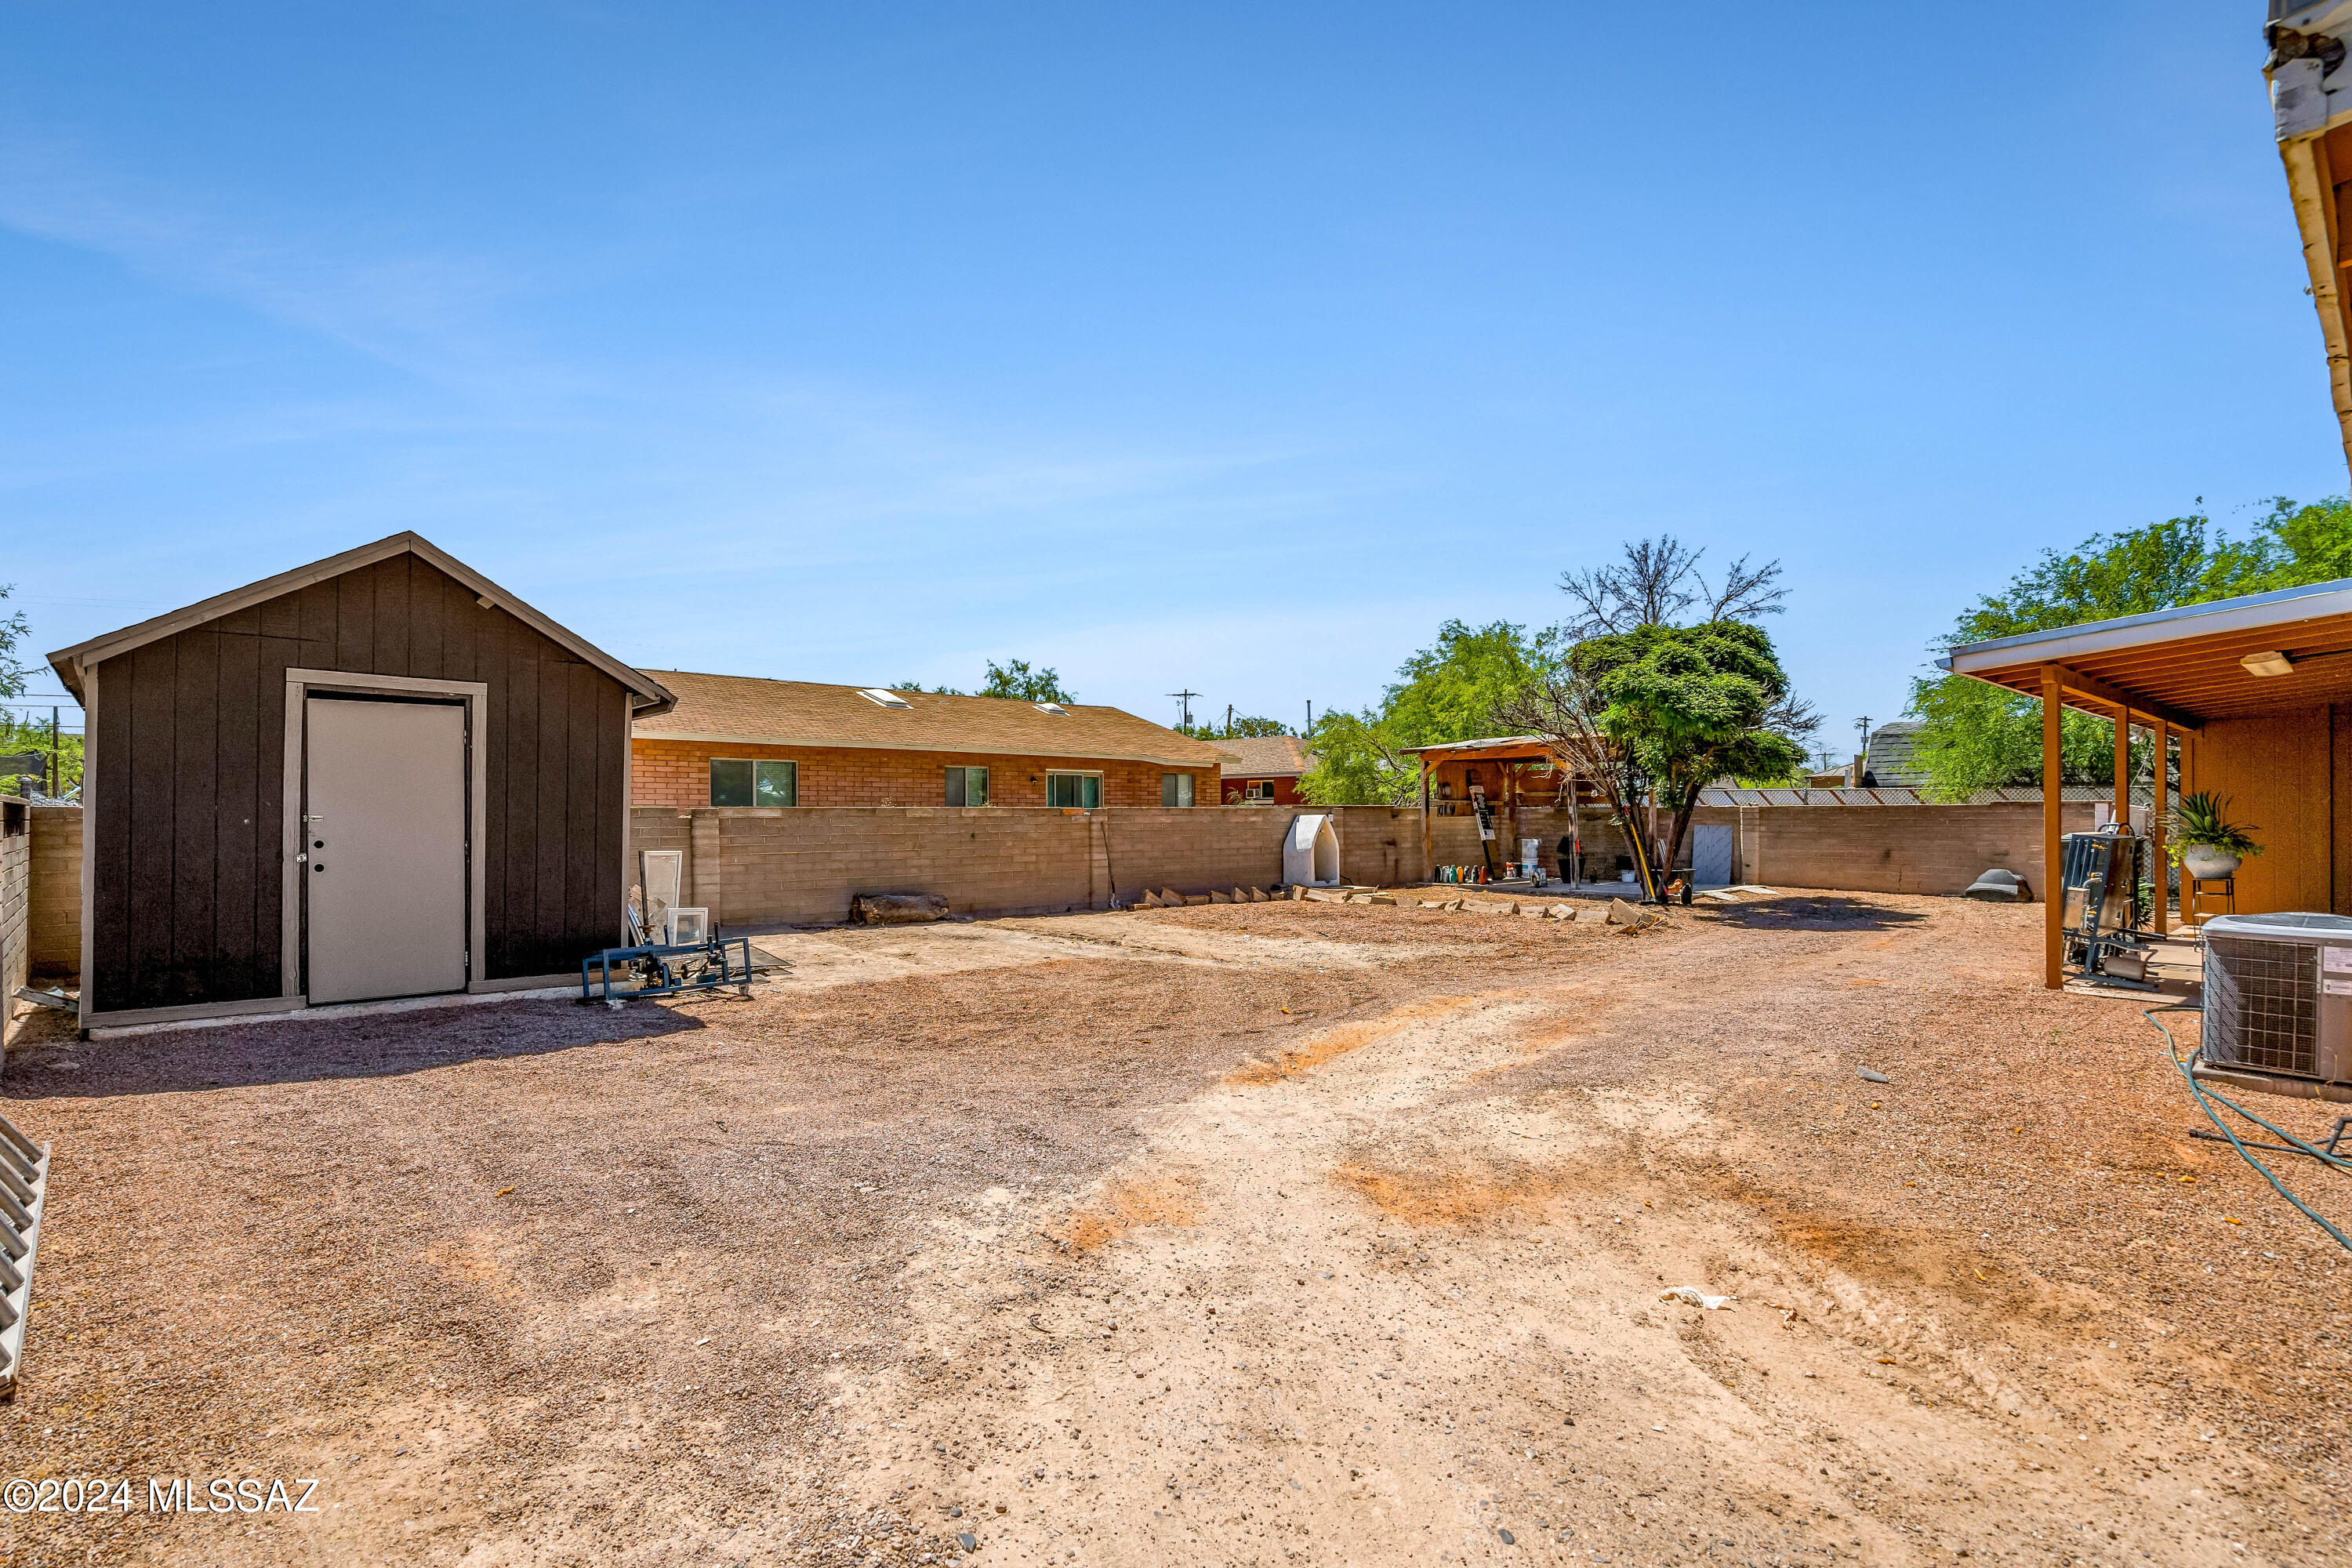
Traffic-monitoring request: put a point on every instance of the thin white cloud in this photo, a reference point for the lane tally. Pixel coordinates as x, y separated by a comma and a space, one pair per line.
431, 312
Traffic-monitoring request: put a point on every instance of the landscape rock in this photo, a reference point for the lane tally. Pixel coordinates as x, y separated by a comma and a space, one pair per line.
896, 908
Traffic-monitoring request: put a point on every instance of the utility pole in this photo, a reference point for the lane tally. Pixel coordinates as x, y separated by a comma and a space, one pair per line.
1310, 718
1186, 699
1863, 724
1229, 718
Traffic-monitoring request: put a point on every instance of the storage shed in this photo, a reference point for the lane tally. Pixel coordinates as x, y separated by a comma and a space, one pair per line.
378, 776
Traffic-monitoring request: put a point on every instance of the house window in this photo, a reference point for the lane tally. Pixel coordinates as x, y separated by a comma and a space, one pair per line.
736, 781
967, 786
1175, 789
1258, 789
1079, 791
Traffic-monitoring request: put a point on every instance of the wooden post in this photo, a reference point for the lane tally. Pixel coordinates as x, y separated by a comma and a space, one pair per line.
1428, 866
2054, 896
2157, 800
2123, 769
2189, 920
1512, 775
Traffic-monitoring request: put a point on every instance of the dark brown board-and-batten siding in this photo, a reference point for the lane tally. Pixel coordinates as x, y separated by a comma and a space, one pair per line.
187, 799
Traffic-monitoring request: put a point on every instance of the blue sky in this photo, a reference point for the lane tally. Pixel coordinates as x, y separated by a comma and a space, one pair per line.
1217, 346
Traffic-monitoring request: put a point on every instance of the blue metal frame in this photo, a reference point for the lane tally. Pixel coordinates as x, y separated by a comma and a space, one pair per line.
670, 969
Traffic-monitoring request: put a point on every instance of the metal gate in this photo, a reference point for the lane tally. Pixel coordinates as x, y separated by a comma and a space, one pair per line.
23, 1187
1711, 857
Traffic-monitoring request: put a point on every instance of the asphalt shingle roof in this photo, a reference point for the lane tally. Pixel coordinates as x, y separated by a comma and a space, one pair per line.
745, 708
1889, 759
1264, 757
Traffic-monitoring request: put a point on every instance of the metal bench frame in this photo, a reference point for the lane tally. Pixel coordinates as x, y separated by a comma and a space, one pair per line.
663, 969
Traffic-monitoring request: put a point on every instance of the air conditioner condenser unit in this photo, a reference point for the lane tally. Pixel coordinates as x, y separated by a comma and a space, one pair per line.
2278, 1003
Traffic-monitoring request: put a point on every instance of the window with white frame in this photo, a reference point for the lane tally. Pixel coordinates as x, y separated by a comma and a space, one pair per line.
967, 786
1175, 789
1078, 791
743, 781
1258, 789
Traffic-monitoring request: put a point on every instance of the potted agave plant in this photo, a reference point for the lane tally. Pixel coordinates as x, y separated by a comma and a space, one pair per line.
2203, 841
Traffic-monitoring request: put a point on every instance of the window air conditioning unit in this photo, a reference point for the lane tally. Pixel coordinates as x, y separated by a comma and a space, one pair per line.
2278, 1003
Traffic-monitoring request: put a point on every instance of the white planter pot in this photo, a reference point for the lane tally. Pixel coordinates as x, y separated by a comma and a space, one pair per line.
2208, 864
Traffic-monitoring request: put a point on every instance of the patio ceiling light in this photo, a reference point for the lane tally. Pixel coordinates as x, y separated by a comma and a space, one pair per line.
2267, 664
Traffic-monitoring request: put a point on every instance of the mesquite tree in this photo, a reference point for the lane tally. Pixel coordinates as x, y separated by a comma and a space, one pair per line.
1656, 713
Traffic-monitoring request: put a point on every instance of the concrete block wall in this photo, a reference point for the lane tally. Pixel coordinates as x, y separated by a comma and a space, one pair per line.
678, 773
1193, 851
54, 920
1889, 848
800, 866
16, 906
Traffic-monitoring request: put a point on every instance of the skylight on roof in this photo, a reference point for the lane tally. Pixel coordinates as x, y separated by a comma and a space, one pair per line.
1053, 708
881, 699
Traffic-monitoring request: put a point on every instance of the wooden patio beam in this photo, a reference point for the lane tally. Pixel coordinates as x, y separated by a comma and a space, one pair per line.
2148, 710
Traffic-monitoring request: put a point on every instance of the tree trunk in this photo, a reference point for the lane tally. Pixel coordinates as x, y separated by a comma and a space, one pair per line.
1681, 830
1627, 801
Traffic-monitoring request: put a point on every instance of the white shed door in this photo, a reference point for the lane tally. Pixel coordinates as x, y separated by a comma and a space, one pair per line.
384, 831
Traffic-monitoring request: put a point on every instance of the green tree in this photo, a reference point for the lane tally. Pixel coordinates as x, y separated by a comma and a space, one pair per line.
1015, 679
1657, 713
1453, 691
1978, 737
1689, 705
2298, 544
14, 630
1242, 727
21, 733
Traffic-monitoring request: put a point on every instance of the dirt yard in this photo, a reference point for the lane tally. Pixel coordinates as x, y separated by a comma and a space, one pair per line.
1248, 1234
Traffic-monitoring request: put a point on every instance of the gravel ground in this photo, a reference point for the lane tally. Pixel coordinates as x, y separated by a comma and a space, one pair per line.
535, 1283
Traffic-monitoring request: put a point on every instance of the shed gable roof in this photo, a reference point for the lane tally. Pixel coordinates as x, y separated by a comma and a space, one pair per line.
648, 695
753, 709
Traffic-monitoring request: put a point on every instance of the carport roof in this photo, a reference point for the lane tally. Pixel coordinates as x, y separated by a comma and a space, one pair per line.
2185, 666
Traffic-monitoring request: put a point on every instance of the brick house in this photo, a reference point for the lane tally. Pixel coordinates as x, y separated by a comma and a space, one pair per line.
736, 739
1264, 770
